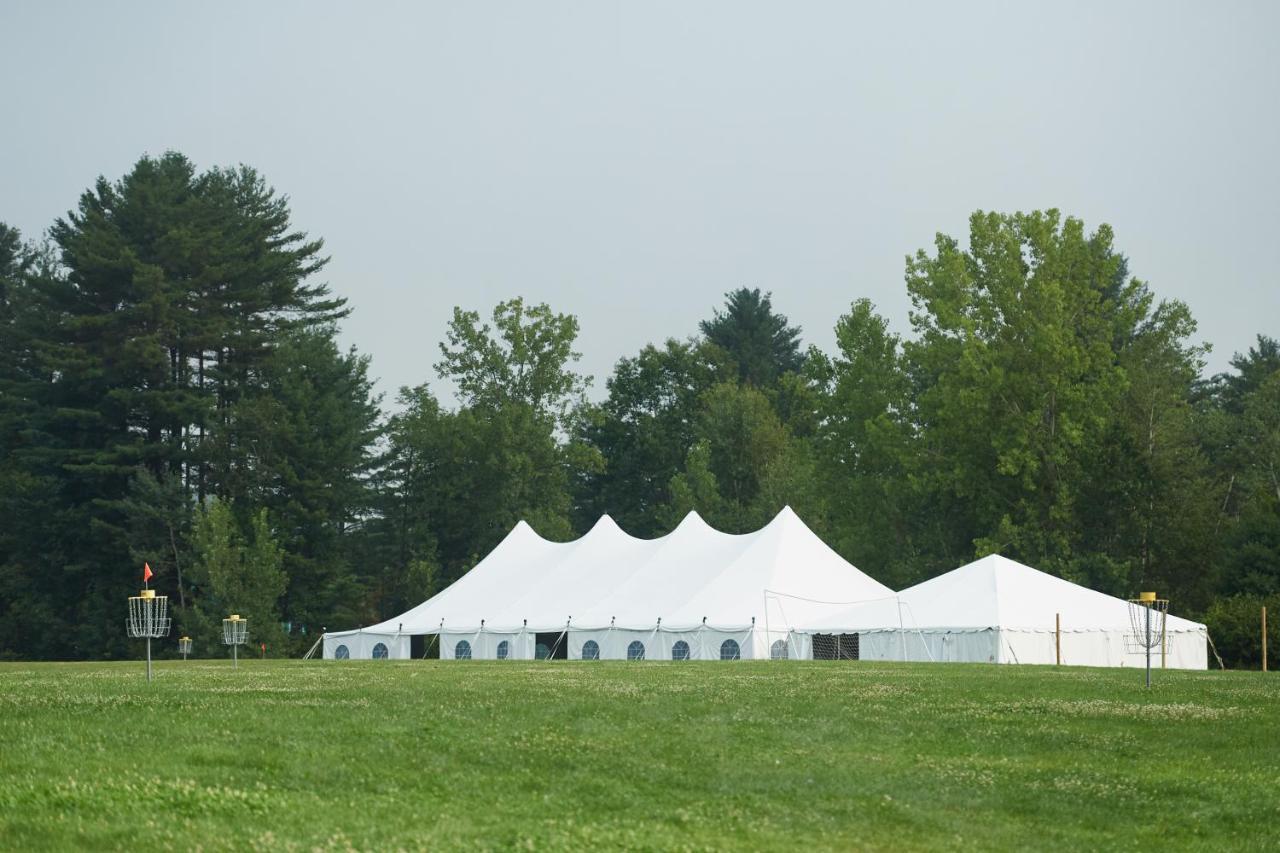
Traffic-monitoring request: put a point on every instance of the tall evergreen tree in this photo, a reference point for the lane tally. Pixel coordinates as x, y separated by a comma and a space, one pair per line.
759, 340
171, 288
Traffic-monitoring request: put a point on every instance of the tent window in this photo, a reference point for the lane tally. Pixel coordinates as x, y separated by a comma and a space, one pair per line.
680, 651
779, 651
730, 650
462, 651
835, 646
380, 651
591, 650
635, 651
504, 648
341, 653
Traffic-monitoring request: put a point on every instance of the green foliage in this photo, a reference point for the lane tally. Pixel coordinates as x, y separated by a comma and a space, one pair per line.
758, 340
133, 346
1235, 624
237, 571
1015, 341
644, 431
308, 420
864, 451
523, 359
171, 348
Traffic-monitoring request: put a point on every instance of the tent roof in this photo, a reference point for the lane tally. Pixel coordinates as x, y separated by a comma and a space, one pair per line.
995, 591
609, 577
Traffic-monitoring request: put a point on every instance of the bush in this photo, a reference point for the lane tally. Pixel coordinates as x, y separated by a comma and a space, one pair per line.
1236, 629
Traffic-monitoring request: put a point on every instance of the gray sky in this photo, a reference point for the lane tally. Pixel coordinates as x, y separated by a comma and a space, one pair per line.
631, 163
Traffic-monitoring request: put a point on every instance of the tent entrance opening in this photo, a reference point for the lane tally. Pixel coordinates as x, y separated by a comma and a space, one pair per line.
551, 645
835, 646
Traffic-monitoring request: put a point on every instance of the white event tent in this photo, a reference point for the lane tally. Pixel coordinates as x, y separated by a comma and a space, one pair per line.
695, 593
1000, 611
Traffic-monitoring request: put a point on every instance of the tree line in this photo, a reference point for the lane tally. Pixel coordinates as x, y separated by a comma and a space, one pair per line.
172, 390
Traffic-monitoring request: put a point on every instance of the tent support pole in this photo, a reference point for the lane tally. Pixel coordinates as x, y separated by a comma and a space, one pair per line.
1057, 638
902, 631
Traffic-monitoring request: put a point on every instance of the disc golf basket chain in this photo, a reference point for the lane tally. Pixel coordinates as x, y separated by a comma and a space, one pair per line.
184, 647
148, 618
1147, 616
234, 633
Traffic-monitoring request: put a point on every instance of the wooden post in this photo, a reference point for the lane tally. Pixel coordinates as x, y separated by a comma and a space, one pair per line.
1057, 637
1264, 639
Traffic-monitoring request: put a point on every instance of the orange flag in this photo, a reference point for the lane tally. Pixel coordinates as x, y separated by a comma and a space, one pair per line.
146, 572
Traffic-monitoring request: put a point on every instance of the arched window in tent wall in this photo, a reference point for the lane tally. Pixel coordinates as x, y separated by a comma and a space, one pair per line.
342, 653
504, 649
779, 650
591, 650
680, 651
462, 651
380, 651
730, 650
635, 651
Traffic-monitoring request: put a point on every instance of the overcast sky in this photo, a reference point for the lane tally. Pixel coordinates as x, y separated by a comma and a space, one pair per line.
631, 163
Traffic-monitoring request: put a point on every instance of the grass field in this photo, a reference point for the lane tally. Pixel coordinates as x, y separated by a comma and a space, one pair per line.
759, 755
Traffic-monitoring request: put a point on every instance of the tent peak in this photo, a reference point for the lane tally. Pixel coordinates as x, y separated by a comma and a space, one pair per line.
787, 514
605, 523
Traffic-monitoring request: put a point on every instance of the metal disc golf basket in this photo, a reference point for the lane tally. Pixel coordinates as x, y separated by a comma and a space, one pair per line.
1147, 620
184, 647
148, 618
234, 633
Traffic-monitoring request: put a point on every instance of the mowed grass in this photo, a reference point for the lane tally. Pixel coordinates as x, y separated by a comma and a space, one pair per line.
550, 755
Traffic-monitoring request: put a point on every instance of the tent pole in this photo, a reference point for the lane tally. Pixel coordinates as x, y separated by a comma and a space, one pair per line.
902, 631
430, 642
1057, 638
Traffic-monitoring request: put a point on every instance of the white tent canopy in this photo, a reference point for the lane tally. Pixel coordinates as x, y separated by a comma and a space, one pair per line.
696, 585
998, 610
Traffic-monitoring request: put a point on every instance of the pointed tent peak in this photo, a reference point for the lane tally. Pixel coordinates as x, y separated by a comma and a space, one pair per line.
788, 517
522, 532
788, 521
1007, 577
606, 526
992, 563
605, 522
1004, 568
692, 521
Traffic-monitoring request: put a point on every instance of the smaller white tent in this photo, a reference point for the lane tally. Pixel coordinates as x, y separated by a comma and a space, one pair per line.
999, 611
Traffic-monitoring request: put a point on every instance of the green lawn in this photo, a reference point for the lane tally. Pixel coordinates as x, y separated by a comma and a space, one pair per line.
760, 755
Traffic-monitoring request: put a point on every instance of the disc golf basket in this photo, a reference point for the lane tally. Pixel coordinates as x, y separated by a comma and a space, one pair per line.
234, 633
148, 618
184, 646
1147, 621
